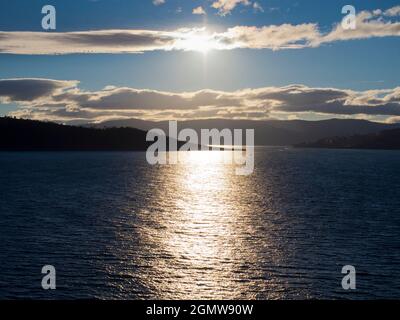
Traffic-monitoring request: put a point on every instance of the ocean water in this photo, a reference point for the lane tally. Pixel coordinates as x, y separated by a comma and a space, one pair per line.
115, 227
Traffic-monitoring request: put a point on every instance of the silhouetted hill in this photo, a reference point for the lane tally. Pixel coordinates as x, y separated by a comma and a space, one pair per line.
387, 139
18, 134
26, 135
269, 132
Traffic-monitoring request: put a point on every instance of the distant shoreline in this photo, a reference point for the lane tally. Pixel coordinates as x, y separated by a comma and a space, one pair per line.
384, 140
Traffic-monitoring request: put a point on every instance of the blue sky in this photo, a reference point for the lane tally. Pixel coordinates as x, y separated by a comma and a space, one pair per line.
366, 64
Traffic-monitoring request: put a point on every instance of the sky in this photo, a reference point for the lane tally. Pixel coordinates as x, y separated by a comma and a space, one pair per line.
181, 59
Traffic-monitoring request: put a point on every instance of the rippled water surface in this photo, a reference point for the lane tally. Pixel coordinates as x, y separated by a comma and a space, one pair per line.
116, 227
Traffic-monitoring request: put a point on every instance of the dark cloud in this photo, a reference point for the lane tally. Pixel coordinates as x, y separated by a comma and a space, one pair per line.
129, 98
119, 39
30, 89
293, 96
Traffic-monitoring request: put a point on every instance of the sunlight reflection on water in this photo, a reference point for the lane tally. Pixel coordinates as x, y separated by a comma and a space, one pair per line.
205, 232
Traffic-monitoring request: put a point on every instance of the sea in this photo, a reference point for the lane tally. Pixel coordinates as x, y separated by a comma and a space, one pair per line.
115, 227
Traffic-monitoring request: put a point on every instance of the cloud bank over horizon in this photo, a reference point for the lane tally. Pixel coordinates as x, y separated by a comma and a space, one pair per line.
64, 101
370, 24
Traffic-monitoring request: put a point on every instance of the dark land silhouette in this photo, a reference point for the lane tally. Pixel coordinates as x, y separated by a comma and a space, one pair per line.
29, 135
387, 139
268, 132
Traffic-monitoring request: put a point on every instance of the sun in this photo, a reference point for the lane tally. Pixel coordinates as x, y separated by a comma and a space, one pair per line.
198, 42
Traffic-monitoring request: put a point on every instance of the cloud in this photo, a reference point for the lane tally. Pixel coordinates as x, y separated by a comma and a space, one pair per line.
368, 25
393, 120
158, 2
130, 98
64, 101
257, 7
226, 6
392, 12
16, 90
102, 41
285, 36
275, 37
199, 10
300, 98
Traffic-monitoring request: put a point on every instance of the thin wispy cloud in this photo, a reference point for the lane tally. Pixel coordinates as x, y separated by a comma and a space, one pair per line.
102, 41
257, 7
55, 100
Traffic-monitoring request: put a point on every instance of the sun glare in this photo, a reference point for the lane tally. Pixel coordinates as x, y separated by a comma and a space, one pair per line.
198, 42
